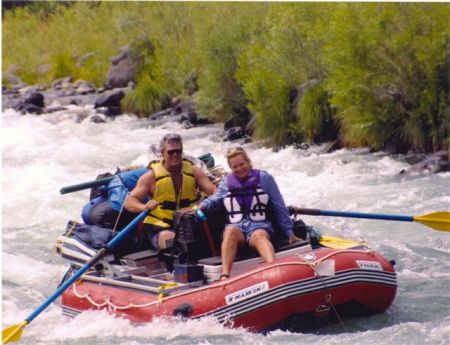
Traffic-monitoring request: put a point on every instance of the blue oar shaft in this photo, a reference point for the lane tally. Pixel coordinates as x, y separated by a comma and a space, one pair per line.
399, 218
316, 212
86, 185
111, 244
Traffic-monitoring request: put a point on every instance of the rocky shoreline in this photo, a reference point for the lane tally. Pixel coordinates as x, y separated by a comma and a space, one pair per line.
70, 97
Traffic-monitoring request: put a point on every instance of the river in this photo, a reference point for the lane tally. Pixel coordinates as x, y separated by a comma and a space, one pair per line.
41, 154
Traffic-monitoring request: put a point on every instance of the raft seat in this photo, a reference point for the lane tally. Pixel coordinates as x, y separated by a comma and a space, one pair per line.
143, 258
212, 266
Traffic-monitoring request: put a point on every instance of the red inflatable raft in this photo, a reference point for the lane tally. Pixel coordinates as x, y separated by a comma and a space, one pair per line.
303, 280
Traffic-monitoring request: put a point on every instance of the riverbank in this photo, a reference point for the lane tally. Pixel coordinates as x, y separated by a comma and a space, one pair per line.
361, 74
81, 101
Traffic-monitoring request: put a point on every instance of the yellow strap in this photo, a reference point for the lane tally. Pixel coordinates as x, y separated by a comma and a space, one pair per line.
161, 289
339, 243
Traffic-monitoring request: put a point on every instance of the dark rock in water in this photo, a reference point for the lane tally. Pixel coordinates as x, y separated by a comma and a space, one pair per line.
109, 111
186, 111
25, 108
437, 162
243, 121
333, 146
97, 119
33, 103
186, 124
235, 133
414, 158
35, 98
110, 98
301, 146
181, 111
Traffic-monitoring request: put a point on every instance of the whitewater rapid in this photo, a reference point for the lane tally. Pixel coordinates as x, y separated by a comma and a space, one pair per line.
41, 154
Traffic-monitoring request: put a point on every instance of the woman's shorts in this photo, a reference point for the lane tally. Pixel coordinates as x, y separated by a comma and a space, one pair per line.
247, 227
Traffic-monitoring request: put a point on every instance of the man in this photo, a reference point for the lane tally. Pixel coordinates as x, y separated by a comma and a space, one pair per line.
247, 194
171, 184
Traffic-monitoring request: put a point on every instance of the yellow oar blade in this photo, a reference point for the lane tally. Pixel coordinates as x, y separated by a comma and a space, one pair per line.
437, 220
339, 243
13, 333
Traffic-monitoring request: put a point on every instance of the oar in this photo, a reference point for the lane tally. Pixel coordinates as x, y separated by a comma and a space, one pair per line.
13, 333
437, 220
202, 217
86, 185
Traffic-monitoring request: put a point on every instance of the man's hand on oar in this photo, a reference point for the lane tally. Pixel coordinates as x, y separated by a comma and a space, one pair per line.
437, 220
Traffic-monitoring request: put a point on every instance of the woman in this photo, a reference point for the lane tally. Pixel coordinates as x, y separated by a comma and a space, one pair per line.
247, 194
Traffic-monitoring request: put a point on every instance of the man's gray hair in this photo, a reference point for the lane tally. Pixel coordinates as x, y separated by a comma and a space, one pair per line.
170, 138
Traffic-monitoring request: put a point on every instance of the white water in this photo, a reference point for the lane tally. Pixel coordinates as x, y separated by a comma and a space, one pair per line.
41, 154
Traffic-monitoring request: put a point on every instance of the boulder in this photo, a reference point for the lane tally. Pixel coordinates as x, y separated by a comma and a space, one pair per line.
185, 110
33, 103
35, 98
235, 133
62, 83
111, 98
123, 70
83, 87
437, 162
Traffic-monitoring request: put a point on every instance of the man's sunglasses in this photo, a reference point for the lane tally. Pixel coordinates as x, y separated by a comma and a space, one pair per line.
176, 151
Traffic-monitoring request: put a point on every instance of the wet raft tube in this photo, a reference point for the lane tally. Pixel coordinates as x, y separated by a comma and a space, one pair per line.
302, 280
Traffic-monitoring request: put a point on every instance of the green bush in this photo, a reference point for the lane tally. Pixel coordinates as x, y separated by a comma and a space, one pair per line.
383, 67
316, 116
146, 98
383, 74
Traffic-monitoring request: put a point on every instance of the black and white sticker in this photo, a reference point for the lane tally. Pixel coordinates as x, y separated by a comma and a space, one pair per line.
246, 293
369, 265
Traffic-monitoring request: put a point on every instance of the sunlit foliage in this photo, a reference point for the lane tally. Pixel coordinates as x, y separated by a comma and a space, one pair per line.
367, 74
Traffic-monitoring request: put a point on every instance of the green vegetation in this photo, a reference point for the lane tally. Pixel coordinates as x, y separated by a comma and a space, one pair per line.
368, 74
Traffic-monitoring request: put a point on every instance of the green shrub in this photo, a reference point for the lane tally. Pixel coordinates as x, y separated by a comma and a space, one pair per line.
383, 74
63, 66
146, 98
315, 116
383, 67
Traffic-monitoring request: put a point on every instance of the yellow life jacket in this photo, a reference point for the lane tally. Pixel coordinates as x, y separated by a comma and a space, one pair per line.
162, 216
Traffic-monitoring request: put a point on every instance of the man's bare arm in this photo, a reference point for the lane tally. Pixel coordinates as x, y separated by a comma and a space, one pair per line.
144, 187
205, 184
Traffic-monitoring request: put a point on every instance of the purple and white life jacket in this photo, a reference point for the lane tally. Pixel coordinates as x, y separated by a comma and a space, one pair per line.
246, 199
